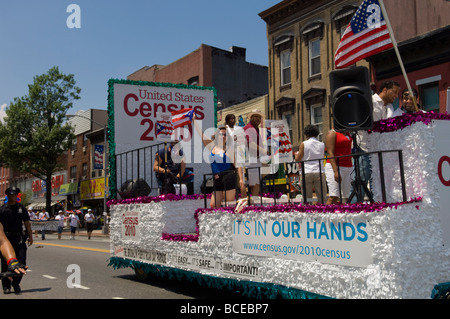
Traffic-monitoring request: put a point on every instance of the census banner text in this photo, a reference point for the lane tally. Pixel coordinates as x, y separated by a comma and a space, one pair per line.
138, 108
334, 242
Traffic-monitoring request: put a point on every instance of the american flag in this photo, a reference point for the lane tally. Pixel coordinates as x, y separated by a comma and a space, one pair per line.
98, 157
182, 117
366, 35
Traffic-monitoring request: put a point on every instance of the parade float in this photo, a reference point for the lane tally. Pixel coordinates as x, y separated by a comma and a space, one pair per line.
395, 247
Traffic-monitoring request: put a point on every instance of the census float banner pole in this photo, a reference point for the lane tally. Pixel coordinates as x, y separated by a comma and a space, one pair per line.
394, 43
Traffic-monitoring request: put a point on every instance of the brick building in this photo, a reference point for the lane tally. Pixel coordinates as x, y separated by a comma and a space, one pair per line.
304, 35
234, 79
85, 185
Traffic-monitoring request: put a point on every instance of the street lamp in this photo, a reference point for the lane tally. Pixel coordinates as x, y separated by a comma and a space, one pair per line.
105, 129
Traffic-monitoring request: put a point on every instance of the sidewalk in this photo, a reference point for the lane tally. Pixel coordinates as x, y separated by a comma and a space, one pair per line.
80, 232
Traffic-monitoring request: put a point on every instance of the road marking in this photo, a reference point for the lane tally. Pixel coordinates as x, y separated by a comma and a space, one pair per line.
80, 287
48, 277
75, 247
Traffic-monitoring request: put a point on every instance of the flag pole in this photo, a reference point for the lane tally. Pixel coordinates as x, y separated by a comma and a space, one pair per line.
394, 43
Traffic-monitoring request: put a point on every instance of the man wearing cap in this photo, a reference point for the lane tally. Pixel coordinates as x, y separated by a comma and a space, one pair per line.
89, 219
61, 220
13, 216
256, 150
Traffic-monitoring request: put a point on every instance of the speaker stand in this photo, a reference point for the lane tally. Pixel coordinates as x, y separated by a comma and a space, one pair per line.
359, 187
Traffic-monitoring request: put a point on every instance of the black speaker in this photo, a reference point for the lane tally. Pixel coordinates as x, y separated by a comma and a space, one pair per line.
134, 188
351, 99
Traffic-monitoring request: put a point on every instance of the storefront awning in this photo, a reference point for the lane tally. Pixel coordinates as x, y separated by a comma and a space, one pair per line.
40, 202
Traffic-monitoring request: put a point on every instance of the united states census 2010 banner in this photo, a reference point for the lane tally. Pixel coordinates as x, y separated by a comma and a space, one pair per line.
139, 106
143, 117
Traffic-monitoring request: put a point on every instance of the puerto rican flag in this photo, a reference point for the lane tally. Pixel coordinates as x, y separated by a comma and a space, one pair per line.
98, 156
164, 129
182, 117
366, 35
285, 146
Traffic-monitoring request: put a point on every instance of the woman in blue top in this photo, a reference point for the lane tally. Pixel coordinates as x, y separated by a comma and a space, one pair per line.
222, 166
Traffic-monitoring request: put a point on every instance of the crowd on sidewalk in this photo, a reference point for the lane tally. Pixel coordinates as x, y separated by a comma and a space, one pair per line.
71, 221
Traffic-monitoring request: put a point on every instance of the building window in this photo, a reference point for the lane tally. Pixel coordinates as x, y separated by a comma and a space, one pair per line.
317, 119
74, 144
193, 80
314, 57
73, 172
285, 62
84, 170
288, 119
430, 97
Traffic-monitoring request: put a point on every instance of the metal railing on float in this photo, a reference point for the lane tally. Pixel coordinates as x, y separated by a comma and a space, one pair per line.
135, 176
134, 172
358, 186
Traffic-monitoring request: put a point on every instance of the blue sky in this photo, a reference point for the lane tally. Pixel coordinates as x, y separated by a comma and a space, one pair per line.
116, 38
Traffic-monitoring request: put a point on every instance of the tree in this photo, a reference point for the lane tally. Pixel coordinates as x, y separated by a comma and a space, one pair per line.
35, 132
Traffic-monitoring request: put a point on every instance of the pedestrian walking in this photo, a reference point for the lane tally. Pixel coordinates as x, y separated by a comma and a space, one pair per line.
14, 218
89, 219
61, 220
74, 224
43, 217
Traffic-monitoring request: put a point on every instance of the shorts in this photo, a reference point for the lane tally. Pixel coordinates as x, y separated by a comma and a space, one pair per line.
89, 226
333, 186
60, 229
226, 181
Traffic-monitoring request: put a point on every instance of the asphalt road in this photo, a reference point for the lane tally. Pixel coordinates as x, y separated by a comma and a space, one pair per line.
77, 269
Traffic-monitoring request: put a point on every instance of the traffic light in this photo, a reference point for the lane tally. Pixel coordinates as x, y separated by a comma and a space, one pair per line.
351, 99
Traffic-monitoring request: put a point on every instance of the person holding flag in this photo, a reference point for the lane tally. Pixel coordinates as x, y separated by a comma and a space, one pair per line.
369, 33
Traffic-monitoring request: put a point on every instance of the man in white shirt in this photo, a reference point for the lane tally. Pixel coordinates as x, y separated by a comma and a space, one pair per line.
74, 223
89, 219
61, 221
382, 109
382, 102
43, 216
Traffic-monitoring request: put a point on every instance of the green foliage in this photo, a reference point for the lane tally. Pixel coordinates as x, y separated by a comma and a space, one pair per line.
35, 132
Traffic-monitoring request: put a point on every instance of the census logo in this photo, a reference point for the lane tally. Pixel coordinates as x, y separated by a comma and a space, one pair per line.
130, 225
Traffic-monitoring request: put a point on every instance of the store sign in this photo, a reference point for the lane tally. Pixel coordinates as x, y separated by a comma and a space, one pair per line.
68, 189
92, 188
39, 185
